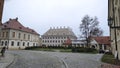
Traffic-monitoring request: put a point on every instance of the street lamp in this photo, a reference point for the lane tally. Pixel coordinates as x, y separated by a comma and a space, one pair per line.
110, 22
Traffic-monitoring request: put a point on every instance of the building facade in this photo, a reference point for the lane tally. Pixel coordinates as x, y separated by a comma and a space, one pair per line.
57, 36
15, 36
101, 43
114, 24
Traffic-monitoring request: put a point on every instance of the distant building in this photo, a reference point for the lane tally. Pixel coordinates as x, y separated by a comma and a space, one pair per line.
57, 36
102, 42
15, 36
78, 43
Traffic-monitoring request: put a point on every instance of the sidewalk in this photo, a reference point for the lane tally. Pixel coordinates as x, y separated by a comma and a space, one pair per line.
6, 61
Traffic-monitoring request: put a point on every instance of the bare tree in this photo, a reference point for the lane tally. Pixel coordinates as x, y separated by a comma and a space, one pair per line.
89, 28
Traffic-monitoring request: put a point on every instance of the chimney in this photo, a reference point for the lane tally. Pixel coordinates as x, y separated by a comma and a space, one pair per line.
16, 18
10, 19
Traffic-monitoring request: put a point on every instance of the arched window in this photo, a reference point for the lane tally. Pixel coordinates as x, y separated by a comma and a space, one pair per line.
18, 43
2, 43
12, 43
5, 43
23, 43
28, 44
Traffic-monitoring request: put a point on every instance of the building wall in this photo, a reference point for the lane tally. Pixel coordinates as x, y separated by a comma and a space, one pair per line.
54, 40
15, 39
57, 36
114, 12
1, 9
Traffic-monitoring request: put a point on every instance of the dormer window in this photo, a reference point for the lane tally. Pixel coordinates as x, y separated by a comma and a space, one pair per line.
20, 27
7, 22
32, 30
5, 26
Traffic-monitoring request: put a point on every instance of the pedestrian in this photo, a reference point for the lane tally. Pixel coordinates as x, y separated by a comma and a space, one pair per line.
3, 51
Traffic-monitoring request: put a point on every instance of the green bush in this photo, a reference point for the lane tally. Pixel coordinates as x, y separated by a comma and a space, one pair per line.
86, 50
32, 47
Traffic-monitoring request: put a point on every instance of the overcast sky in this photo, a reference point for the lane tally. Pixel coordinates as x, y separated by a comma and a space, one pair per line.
40, 15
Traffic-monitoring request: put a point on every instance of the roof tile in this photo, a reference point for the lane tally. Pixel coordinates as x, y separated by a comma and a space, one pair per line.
15, 24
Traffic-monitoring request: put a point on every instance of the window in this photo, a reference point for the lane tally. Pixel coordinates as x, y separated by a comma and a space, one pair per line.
12, 43
28, 37
18, 43
19, 35
3, 34
28, 44
5, 43
116, 1
13, 34
23, 43
2, 43
24, 36
6, 34
105, 47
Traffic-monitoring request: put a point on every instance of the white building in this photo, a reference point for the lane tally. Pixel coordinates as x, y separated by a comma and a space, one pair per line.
102, 42
78, 43
57, 36
15, 36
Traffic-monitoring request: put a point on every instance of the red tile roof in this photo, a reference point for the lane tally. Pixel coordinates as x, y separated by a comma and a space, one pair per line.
103, 40
15, 24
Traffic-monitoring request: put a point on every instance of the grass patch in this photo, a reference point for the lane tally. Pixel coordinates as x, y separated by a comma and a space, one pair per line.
85, 50
109, 58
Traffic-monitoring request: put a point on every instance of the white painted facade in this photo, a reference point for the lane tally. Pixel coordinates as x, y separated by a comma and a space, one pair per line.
56, 37
78, 43
18, 39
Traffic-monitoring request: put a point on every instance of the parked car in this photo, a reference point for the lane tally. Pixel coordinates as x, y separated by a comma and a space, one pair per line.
101, 51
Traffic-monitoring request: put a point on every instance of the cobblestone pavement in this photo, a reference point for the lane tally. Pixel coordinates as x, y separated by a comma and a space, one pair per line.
78, 60
31, 59
41, 59
6, 60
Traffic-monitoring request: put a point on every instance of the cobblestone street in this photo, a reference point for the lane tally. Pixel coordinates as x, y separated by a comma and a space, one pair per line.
39, 59
78, 60
29, 59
